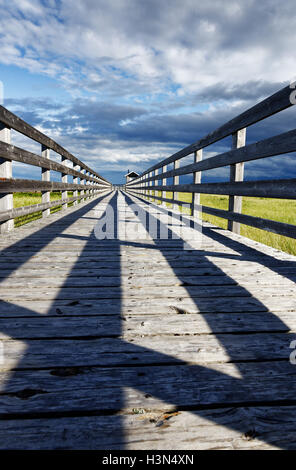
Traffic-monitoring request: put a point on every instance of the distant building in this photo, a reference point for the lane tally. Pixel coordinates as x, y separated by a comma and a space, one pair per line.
131, 175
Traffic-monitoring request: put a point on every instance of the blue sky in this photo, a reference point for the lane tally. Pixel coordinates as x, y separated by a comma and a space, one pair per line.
125, 83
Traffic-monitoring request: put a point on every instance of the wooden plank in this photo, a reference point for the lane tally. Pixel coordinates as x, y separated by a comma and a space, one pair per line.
37, 278
236, 174
10, 293
140, 355
75, 181
199, 349
100, 387
95, 277
65, 181
6, 199
281, 188
144, 325
108, 268
175, 202
19, 307
176, 182
45, 176
21, 185
233, 428
196, 276
196, 180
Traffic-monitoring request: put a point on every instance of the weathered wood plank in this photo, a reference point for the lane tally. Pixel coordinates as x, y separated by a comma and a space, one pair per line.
165, 277
6, 200
145, 325
257, 428
200, 349
8, 185
20, 307
78, 356
45, 176
281, 188
141, 293
236, 174
150, 389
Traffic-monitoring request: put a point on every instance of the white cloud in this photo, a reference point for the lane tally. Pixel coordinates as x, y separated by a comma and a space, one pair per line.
162, 59
190, 43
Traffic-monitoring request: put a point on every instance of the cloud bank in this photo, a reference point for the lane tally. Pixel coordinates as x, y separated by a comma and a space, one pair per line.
141, 79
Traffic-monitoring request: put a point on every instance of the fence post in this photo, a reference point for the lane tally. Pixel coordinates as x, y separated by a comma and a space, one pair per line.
64, 180
92, 191
236, 174
150, 184
163, 183
155, 186
82, 182
45, 176
75, 181
143, 186
176, 181
147, 185
6, 199
87, 182
196, 180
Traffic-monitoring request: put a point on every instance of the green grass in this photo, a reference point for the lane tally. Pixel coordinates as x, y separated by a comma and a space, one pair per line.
28, 199
281, 210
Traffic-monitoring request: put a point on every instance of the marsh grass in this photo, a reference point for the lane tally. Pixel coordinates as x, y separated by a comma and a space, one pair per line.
28, 199
281, 210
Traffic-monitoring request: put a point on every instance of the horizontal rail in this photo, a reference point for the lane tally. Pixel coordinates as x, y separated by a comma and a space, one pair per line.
156, 177
271, 105
280, 228
27, 210
14, 122
11, 185
280, 189
172, 201
278, 145
85, 180
10, 152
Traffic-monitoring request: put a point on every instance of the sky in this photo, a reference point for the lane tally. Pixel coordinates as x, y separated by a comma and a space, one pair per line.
122, 84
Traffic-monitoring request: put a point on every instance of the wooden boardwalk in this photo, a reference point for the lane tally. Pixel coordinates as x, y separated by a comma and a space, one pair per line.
136, 343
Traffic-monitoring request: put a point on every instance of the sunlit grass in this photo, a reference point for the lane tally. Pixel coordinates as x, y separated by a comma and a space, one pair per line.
28, 199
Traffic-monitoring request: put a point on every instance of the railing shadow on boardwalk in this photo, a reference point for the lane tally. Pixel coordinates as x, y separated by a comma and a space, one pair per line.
115, 353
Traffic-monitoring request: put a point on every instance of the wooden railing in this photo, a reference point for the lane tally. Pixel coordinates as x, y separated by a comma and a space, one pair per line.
85, 180
155, 178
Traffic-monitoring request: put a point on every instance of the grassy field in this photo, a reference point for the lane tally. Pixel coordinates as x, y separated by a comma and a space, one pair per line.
27, 199
281, 210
